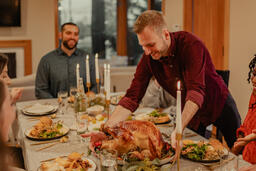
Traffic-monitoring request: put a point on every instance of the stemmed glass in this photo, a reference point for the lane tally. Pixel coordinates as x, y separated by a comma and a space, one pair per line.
62, 99
72, 92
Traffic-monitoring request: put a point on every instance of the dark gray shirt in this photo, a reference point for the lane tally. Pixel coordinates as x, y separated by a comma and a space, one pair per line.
57, 72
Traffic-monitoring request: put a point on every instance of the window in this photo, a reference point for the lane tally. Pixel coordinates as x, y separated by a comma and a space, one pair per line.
106, 25
134, 9
97, 22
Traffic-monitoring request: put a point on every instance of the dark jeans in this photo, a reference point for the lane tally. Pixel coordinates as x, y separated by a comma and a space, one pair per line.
227, 123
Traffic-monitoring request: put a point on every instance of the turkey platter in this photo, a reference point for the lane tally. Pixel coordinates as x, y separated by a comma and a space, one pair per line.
132, 141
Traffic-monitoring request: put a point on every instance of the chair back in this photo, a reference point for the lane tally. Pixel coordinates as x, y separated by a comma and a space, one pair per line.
224, 74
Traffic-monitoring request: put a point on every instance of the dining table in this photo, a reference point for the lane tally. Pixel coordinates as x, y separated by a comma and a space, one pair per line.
33, 155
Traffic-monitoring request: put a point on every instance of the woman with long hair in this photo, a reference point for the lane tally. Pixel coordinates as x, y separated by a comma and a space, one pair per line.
15, 92
7, 116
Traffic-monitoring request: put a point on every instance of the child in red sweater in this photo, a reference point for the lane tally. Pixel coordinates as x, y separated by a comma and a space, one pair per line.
246, 142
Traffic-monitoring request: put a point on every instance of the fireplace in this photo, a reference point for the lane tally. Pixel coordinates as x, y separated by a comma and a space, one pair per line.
19, 53
12, 67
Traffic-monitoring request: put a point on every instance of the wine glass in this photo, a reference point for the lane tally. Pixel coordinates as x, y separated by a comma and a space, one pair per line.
72, 91
72, 94
102, 90
62, 99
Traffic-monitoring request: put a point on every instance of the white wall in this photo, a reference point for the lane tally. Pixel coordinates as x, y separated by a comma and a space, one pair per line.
242, 49
174, 14
37, 20
242, 44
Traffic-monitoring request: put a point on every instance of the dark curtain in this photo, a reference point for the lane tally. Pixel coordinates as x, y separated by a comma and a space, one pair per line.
98, 28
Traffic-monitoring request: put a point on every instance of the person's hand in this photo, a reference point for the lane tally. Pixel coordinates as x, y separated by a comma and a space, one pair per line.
238, 147
248, 138
239, 144
174, 141
254, 131
16, 94
248, 168
110, 123
120, 114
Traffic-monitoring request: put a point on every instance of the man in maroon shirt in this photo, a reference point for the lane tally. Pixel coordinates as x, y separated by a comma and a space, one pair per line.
170, 57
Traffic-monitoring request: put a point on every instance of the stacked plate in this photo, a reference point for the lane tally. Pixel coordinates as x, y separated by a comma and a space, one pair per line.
38, 109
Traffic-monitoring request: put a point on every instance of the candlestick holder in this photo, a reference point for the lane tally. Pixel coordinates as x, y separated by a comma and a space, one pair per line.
98, 85
88, 85
178, 149
108, 108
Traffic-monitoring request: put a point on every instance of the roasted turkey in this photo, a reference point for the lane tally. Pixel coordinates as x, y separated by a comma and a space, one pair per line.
141, 139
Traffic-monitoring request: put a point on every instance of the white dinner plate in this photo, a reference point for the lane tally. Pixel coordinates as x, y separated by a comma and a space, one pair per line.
38, 109
116, 97
96, 109
93, 168
144, 110
224, 155
142, 114
64, 130
157, 162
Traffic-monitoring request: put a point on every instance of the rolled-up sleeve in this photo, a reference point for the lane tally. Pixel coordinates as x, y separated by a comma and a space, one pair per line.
195, 97
194, 75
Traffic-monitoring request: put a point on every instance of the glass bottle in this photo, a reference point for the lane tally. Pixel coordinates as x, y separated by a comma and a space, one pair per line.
80, 98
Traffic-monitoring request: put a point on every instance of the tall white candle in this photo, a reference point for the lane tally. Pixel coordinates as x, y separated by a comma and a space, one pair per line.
108, 83
77, 75
88, 80
105, 77
178, 110
97, 67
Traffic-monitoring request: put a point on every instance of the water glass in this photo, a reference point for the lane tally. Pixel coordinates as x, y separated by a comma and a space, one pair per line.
231, 165
81, 125
102, 90
62, 99
108, 161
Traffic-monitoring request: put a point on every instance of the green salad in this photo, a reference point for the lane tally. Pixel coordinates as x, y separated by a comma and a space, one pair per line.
156, 113
54, 131
194, 151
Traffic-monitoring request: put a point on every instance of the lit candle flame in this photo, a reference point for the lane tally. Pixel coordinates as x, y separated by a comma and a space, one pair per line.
178, 85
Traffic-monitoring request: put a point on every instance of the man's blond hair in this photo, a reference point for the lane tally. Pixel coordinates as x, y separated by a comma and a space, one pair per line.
151, 18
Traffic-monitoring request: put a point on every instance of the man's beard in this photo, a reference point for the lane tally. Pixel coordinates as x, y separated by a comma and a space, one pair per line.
65, 44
